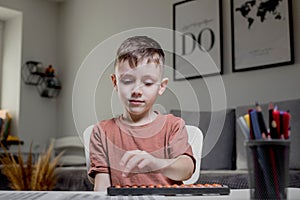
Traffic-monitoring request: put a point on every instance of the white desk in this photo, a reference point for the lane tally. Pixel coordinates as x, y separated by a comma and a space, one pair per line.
237, 194
293, 194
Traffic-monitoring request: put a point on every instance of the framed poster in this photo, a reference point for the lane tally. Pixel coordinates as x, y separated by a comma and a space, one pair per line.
262, 34
197, 40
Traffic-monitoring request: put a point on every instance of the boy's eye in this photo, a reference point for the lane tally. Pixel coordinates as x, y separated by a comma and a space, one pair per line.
148, 83
127, 81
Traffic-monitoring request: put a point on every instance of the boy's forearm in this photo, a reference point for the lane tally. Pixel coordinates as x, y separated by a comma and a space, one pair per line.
102, 181
179, 169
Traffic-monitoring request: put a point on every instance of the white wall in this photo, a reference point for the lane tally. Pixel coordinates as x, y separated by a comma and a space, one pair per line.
11, 60
36, 116
1, 50
84, 24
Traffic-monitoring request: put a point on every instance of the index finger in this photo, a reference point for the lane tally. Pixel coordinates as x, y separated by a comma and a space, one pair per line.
127, 156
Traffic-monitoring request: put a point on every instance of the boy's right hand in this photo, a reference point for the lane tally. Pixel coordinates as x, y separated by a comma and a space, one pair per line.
137, 161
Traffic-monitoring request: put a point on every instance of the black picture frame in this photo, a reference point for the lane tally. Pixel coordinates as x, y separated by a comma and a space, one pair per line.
262, 34
197, 41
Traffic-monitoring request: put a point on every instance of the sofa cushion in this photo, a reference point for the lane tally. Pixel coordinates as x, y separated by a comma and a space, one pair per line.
222, 155
294, 107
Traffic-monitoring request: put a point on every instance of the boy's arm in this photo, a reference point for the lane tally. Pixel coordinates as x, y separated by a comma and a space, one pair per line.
179, 169
102, 182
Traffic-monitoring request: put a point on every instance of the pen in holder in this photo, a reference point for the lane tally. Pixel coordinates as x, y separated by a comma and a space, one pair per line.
268, 165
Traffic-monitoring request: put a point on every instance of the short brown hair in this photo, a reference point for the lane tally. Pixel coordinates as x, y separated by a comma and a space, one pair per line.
137, 48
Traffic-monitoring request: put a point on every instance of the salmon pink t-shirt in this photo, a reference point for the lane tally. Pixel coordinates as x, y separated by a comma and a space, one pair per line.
165, 137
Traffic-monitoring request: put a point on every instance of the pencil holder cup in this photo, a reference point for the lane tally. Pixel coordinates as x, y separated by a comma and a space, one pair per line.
268, 167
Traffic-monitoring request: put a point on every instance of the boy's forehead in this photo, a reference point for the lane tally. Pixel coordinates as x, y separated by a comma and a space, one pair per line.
142, 67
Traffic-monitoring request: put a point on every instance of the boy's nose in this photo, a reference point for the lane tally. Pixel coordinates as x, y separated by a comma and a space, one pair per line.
137, 90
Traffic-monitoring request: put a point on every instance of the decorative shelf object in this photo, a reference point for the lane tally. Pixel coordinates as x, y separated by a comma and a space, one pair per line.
49, 87
34, 73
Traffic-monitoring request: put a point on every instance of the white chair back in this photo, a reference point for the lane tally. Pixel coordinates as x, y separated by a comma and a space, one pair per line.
86, 139
195, 140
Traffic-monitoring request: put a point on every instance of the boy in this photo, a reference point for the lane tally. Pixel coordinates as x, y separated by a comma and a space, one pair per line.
142, 146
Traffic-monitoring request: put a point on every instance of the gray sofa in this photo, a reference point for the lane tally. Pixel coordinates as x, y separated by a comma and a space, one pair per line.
226, 162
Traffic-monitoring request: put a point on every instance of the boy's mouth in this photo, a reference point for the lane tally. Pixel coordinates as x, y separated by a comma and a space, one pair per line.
136, 101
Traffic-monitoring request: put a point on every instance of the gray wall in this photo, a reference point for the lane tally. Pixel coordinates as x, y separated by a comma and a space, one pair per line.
64, 34
34, 118
86, 24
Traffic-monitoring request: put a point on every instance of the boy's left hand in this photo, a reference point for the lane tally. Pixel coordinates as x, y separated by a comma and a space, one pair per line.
137, 161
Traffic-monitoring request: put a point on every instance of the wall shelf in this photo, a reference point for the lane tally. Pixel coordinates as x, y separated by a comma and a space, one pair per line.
34, 73
49, 87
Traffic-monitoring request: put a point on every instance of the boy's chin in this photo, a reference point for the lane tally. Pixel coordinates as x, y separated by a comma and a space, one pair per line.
138, 112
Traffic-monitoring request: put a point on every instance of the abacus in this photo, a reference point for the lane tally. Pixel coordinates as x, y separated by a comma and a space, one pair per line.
191, 189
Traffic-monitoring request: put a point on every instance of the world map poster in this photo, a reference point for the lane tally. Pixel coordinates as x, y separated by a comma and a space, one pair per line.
261, 34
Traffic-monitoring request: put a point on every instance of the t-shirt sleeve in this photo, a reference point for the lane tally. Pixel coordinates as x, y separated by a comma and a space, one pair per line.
178, 143
98, 152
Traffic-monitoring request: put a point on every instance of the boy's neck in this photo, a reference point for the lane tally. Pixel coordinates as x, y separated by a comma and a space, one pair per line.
139, 120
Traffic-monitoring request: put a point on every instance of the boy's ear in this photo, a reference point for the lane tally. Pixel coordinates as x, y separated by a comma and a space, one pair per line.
163, 86
114, 81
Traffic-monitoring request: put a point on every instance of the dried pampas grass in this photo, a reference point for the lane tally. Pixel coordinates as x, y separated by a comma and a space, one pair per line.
30, 176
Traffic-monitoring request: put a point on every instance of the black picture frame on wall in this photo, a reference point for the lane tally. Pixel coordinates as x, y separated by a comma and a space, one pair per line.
197, 41
262, 34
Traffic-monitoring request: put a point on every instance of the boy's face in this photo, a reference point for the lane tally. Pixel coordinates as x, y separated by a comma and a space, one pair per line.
138, 87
